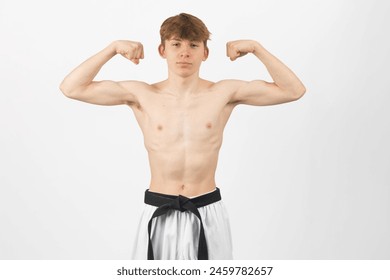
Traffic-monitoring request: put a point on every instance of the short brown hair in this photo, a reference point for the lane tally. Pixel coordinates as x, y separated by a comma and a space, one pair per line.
185, 26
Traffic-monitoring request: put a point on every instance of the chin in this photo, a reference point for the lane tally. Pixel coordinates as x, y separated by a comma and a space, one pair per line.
185, 73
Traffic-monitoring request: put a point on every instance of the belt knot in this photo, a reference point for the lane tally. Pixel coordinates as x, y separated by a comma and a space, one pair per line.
179, 202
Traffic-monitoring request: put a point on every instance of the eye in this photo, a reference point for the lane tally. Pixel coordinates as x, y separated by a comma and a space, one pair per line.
175, 44
194, 45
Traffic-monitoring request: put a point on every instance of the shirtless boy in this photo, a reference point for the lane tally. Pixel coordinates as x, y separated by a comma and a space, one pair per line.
182, 120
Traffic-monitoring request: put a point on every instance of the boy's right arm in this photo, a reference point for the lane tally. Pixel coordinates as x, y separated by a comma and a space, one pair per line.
79, 83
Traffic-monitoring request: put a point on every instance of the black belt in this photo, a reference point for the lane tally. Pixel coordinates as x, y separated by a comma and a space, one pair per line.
166, 202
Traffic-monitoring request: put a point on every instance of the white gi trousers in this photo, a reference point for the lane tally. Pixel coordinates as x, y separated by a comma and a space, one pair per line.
175, 235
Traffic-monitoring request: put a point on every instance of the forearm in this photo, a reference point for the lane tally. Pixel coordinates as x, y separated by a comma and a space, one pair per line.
280, 73
84, 74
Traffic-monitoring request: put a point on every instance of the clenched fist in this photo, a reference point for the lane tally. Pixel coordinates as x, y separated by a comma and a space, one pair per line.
133, 51
235, 49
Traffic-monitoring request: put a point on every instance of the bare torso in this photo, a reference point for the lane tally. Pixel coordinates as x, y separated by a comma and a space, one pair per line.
183, 135
183, 117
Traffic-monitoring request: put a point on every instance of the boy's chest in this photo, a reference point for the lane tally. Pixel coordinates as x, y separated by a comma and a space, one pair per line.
196, 117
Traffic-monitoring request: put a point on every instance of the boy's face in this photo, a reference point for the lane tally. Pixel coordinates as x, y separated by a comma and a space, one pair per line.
184, 57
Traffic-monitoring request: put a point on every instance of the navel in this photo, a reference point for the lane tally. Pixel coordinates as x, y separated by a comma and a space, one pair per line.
182, 187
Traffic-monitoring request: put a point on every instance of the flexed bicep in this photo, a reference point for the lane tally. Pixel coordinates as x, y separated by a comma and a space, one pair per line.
261, 93
110, 93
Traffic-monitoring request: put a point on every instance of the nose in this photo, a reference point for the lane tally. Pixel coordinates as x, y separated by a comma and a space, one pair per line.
185, 52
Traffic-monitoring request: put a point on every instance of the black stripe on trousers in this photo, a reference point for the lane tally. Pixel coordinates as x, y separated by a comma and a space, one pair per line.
166, 202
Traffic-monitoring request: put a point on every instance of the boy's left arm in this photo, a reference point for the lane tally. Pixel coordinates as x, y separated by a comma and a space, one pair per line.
285, 88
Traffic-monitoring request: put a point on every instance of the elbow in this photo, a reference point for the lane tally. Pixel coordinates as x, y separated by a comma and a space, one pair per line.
299, 92
64, 89
67, 90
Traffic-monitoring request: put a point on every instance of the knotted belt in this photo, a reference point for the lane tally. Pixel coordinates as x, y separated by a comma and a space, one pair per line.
166, 202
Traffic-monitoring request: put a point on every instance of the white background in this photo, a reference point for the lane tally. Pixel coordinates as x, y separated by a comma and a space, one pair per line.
304, 180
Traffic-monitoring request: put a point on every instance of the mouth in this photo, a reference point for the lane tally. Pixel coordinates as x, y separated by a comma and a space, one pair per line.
183, 63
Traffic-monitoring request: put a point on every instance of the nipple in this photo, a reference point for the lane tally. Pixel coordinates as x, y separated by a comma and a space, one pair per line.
159, 127
209, 125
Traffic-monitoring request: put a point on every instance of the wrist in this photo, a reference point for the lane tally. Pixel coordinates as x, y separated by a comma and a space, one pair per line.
257, 48
112, 48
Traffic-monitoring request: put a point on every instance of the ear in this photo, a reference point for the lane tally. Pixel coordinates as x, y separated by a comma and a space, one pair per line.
206, 53
161, 50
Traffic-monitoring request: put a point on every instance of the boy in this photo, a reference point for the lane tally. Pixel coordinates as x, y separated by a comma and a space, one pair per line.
182, 119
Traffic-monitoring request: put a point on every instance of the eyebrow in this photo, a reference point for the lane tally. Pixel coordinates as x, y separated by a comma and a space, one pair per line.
181, 40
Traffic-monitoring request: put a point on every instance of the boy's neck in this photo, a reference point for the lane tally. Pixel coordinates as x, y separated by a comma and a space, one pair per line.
181, 86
